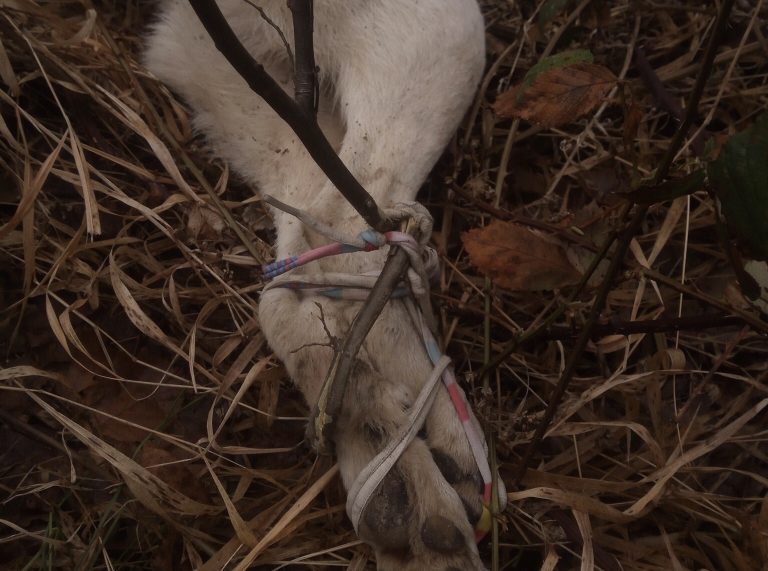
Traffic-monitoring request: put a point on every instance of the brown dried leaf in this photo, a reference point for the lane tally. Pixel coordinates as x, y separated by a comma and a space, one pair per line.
123, 418
517, 258
557, 96
204, 223
174, 469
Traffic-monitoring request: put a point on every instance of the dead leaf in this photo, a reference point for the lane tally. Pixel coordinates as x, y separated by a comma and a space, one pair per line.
150, 490
171, 467
269, 396
122, 417
203, 223
557, 96
517, 258
77, 378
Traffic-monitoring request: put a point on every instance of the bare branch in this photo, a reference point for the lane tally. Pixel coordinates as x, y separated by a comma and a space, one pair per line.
665, 99
332, 394
305, 79
306, 128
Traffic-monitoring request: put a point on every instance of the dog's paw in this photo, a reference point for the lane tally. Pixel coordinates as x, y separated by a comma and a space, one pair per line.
424, 513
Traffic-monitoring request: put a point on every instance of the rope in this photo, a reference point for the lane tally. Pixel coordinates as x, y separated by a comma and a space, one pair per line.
367, 238
423, 262
368, 480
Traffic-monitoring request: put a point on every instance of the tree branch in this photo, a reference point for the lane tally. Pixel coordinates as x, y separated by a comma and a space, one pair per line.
305, 79
664, 98
327, 408
305, 127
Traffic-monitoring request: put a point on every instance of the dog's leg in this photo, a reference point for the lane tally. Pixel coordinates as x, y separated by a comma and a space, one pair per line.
403, 73
401, 93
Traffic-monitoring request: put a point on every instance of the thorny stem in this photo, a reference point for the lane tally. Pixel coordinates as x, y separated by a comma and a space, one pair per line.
623, 243
753, 321
582, 340
614, 326
305, 127
698, 90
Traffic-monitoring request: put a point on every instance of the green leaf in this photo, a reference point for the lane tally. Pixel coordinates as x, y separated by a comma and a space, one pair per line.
550, 9
562, 59
739, 177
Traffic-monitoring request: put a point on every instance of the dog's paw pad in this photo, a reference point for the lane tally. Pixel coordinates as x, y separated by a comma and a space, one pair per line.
386, 519
440, 534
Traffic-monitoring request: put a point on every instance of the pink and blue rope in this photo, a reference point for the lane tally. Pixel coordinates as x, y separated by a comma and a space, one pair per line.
370, 241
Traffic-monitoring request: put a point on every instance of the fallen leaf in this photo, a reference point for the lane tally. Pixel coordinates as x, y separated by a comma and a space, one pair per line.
598, 16
122, 417
558, 90
173, 468
150, 490
604, 181
517, 258
203, 224
550, 10
269, 396
77, 378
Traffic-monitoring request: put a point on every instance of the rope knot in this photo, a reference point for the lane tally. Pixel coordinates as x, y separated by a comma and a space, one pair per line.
419, 220
372, 240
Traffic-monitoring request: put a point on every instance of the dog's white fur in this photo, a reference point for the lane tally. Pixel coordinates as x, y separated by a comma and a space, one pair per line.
396, 78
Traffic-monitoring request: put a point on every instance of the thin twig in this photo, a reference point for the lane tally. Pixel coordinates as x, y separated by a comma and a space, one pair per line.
271, 23
752, 320
664, 98
503, 214
614, 326
582, 340
624, 241
308, 131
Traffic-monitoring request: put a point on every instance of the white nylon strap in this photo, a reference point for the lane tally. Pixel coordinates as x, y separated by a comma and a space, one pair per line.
327, 279
364, 486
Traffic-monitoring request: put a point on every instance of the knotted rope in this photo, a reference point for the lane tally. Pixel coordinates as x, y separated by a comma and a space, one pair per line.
423, 263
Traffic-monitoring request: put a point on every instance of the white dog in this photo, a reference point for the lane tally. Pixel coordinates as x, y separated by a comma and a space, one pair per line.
396, 76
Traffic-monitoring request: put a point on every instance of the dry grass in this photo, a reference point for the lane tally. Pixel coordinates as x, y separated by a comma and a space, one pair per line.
146, 425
